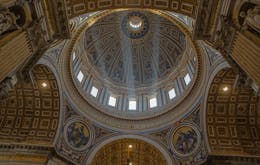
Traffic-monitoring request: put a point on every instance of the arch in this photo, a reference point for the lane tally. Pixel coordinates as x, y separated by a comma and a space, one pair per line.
136, 137
221, 64
232, 117
47, 62
30, 114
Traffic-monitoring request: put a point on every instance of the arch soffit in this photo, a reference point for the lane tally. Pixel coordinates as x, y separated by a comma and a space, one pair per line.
222, 65
220, 116
41, 124
47, 63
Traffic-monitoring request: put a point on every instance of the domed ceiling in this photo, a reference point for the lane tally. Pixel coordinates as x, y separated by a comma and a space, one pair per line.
133, 49
131, 64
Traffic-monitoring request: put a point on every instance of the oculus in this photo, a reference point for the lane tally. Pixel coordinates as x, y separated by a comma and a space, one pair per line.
135, 25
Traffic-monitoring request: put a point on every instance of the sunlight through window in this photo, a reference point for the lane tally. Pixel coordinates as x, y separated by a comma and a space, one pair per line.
73, 56
112, 101
94, 91
132, 105
80, 76
153, 102
172, 93
187, 79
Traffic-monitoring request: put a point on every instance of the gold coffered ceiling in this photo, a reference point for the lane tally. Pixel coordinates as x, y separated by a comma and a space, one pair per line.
127, 151
78, 7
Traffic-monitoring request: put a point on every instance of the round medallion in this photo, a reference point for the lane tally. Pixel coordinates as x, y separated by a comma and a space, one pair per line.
77, 135
186, 140
135, 25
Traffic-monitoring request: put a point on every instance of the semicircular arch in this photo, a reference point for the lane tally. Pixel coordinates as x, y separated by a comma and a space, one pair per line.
131, 139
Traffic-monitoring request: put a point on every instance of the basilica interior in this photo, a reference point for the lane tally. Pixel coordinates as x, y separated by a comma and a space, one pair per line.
129, 82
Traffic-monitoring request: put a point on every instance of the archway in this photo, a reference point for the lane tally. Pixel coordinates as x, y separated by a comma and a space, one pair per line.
127, 149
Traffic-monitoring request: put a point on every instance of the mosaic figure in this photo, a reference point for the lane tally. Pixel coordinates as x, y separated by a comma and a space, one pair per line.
78, 135
185, 140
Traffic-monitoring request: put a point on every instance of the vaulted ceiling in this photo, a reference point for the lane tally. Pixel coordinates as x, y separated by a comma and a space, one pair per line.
128, 152
30, 113
127, 53
232, 117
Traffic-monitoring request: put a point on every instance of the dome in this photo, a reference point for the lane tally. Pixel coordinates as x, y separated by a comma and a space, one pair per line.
129, 82
131, 50
133, 64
